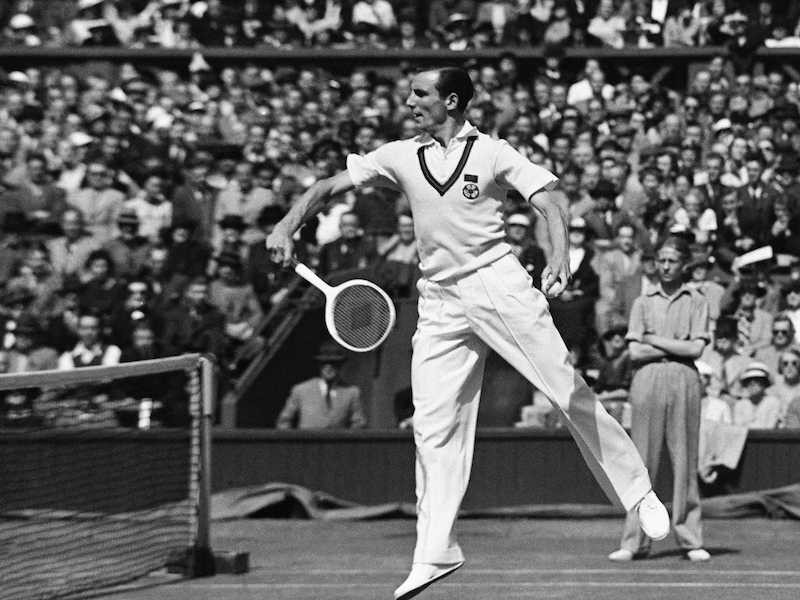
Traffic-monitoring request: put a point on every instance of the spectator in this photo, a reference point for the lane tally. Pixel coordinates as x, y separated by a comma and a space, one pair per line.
324, 402
724, 359
98, 201
232, 228
754, 324
62, 322
36, 274
166, 390
792, 418
756, 409
378, 13
786, 386
235, 298
782, 338
196, 199
266, 277
525, 247
152, 208
28, 353
193, 324
350, 253
132, 311
398, 267
128, 250
712, 407
573, 310
13, 240
186, 256
620, 278
102, 292
607, 26
37, 197
615, 371
91, 350
700, 271
245, 199
68, 252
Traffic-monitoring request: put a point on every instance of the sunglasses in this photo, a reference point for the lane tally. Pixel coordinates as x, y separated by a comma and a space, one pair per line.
787, 363
780, 332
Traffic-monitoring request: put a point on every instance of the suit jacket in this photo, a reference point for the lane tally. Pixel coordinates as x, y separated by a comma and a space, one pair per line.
758, 212
307, 407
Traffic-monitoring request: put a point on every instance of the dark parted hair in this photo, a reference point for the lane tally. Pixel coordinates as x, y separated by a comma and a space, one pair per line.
680, 244
454, 80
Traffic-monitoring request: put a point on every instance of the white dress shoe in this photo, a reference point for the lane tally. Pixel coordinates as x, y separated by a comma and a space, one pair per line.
621, 555
698, 555
653, 517
421, 576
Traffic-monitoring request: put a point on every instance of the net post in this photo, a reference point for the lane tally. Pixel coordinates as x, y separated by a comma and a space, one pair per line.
203, 563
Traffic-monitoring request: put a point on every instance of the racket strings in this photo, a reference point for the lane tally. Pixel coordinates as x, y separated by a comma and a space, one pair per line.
361, 315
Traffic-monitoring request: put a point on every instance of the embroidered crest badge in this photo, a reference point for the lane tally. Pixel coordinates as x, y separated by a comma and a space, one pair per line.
471, 191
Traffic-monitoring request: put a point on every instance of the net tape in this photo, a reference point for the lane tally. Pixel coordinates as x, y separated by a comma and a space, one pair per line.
361, 315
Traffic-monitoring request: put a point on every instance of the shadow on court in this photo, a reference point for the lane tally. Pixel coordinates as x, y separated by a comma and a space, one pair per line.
506, 559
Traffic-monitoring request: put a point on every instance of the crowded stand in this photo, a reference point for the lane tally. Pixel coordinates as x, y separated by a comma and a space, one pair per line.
135, 201
405, 24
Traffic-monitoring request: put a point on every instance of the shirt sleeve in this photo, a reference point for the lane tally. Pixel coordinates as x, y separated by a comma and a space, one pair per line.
636, 325
375, 168
699, 329
514, 171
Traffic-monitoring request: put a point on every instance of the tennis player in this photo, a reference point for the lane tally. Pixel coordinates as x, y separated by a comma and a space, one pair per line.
475, 295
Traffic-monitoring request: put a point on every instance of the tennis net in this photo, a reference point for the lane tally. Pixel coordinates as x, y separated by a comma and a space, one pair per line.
92, 492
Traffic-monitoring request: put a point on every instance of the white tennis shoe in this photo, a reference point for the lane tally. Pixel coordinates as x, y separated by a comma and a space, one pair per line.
653, 517
422, 575
698, 555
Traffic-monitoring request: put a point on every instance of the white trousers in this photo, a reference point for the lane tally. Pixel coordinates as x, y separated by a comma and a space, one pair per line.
496, 307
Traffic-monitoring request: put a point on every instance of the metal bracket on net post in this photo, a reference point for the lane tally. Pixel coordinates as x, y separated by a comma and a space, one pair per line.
207, 562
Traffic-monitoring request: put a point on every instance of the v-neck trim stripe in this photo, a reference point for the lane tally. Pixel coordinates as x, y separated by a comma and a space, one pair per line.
442, 188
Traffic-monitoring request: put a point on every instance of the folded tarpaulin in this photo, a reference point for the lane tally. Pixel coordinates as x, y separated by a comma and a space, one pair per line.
283, 500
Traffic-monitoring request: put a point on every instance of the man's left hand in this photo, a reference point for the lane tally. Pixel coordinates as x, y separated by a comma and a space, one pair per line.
555, 277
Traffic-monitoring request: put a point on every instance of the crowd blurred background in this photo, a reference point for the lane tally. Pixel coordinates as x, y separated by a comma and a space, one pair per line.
134, 201
407, 24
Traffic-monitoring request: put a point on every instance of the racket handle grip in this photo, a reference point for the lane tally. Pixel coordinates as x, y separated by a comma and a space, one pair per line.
311, 277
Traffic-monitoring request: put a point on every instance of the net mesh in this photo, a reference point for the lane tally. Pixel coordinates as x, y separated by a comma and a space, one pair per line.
361, 315
93, 492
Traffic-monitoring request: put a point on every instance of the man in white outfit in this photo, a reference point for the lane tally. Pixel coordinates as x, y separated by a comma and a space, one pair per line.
475, 295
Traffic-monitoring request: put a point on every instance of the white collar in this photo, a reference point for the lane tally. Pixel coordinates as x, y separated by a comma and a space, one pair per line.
467, 130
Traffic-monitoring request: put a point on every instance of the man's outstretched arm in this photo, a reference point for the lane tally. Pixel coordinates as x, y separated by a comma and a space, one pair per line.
279, 242
556, 274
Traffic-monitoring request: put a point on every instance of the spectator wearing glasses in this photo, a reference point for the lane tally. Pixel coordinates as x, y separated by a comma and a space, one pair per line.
783, 333
754, 324
787, 380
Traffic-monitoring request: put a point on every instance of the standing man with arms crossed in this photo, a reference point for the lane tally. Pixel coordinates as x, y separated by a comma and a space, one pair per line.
474, 295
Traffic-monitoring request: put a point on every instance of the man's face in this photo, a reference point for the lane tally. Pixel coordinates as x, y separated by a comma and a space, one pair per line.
747, 300
37, 171
670, 265
753, 171
196, 293
730, 203
244, 176
714, 169
89, 330
329, 371
625, 239
427, 107
348, 226
71, 224
723, 345
560, 149
782, 334
570, 184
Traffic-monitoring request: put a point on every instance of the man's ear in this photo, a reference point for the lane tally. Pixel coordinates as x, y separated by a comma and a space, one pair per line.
451, 102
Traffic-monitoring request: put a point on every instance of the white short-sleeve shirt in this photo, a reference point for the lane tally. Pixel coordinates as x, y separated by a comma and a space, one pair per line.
456, 194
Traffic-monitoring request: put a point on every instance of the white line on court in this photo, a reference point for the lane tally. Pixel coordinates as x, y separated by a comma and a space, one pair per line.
632, 569
507, 584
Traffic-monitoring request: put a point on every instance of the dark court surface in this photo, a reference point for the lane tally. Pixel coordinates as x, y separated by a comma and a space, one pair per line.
506, 559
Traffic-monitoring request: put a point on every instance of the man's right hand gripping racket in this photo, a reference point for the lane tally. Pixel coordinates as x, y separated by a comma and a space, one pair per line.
359, 315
